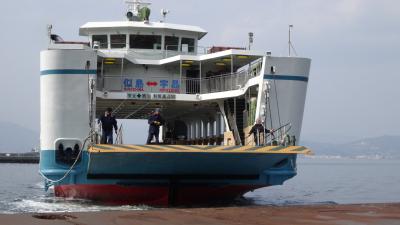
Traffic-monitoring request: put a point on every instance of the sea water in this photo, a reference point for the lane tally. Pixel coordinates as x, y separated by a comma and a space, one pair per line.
337, 181
319, 181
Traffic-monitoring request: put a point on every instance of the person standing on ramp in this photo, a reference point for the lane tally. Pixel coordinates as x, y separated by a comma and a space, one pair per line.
108, 122
155, 121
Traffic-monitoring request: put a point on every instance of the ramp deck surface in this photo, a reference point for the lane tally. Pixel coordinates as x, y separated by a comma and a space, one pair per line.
201, 149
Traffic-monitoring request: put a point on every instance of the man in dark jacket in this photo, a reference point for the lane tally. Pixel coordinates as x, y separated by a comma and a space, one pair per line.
108, 122
257, 130
155, 121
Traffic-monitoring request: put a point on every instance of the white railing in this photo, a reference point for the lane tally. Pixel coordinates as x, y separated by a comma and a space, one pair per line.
119, 138
157, 51
217, 83
98, 133
212, 83
279, 137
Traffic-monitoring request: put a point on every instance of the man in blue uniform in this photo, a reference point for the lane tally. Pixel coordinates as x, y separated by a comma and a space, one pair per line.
155, 121
108, 122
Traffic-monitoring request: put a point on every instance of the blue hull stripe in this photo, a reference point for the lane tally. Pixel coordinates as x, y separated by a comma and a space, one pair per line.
286, 77
67, 71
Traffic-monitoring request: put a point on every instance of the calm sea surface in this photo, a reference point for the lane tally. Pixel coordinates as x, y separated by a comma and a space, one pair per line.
319, 181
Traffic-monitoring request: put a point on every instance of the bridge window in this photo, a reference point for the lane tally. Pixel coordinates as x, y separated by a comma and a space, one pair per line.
171, 43
145, 41
102, 39
187, 45
118, 41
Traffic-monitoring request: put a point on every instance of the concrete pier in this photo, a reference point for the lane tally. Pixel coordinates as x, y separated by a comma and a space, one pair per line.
366, 214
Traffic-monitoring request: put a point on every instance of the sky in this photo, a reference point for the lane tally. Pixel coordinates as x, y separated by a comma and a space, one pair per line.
354, 45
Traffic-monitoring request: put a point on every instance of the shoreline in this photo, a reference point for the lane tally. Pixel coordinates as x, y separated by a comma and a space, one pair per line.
380, 213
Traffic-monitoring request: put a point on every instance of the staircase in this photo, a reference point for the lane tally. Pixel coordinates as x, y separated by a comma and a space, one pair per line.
235, 118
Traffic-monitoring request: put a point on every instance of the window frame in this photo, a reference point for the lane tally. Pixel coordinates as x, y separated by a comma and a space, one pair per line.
177, 43
189, 47
124, 44
102, 45
160, 39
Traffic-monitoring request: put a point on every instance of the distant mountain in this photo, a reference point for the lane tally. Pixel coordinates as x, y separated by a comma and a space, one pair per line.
18, 139
377, 147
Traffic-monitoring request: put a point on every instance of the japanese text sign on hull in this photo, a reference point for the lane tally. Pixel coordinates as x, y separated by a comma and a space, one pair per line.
159, 85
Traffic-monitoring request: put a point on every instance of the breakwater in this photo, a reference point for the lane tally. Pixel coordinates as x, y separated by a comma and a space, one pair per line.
30, 157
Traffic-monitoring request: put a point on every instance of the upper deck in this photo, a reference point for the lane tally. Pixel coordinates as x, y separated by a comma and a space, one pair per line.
91, 28
144, 40
159, 62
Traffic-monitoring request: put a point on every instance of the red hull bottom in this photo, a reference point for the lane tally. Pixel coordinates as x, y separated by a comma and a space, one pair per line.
153, 195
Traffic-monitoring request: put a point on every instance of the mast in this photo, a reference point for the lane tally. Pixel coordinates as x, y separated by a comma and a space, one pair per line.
251, 39
290, 38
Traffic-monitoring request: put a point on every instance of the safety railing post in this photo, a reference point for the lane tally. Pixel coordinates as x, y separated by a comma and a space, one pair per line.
232, 81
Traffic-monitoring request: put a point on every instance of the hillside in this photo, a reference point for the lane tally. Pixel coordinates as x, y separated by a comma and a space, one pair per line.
15, 138
381, 147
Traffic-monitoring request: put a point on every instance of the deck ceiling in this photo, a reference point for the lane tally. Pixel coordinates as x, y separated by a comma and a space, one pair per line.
170, 110
239, 60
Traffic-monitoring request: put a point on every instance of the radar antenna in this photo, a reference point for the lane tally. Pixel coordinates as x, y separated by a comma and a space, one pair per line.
134, 7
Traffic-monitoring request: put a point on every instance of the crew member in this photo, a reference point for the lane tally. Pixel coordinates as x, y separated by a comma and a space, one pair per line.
257, 129
155, 121
108, 122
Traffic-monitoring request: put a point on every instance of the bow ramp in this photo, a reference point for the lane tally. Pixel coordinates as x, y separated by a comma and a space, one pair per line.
96, 149
190, 162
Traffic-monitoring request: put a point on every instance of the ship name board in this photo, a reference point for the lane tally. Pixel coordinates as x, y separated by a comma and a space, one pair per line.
151, 85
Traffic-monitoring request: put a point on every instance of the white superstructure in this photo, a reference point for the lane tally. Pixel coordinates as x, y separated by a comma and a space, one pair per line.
208, 96
210, 99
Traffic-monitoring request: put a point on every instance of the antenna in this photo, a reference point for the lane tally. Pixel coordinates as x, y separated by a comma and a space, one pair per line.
164, 13
134, 7
49, 28
290, 40
291, 47
251, 39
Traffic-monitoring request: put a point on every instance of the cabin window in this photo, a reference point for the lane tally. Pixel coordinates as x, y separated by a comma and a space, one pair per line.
118, 41
145, 41
102, 39
171, 43
187, 45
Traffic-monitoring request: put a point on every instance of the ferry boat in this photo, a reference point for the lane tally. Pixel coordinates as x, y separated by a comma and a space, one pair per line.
209, 97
